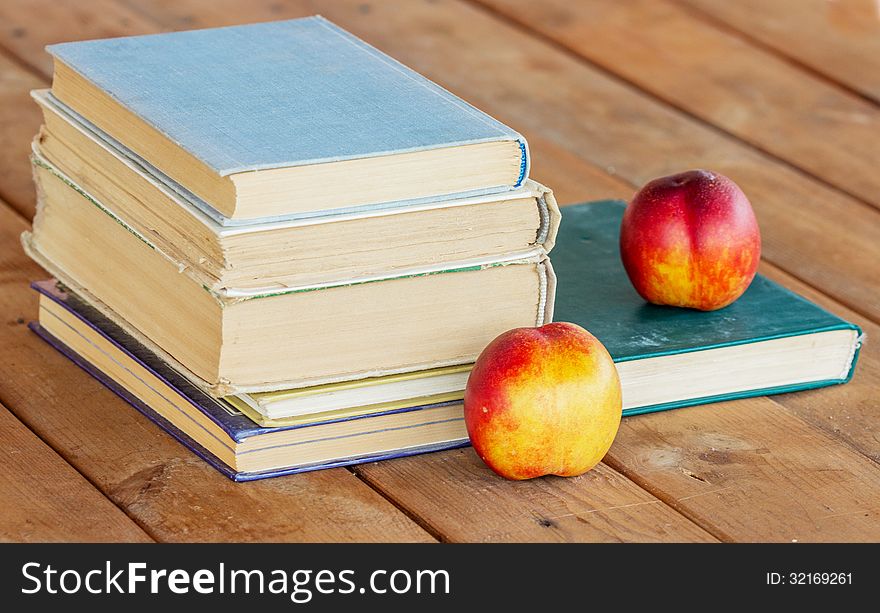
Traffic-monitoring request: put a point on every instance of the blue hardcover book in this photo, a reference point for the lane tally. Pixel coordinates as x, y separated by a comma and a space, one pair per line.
216, 430
284, 118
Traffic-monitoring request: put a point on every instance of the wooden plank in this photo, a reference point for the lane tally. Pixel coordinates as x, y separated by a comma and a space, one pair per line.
848, 412
43, 499
572, 178
169, 491
19, 120
454, 494
25, 30
839, 39
423, 28
539, 89
717, 76
750, 471
29, 25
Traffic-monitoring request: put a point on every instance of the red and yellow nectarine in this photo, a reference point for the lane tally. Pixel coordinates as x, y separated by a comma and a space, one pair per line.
690, 240
543, 401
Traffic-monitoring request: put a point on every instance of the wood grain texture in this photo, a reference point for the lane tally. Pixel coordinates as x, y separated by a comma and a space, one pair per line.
43, 499
27, 26
455, 495
171, 492
19, 120
572, 178
537, 88
720, 78
839, 39
750, 471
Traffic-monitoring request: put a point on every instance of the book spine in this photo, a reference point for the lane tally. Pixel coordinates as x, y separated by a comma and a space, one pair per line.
525, 162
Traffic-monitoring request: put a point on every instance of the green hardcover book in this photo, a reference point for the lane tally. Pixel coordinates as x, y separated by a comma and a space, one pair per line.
768, 342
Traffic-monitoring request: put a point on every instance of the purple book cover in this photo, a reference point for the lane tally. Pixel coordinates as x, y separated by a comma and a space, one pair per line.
234, 423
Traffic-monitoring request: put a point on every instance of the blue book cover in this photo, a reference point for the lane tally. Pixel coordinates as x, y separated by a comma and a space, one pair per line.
769, 333
274, 95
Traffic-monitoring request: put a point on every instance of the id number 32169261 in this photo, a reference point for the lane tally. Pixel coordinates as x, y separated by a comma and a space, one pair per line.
808, 578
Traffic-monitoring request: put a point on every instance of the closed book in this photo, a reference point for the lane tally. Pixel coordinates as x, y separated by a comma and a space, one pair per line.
280, 337
361, 396
299, 250
284, 117
217, 431
769, 341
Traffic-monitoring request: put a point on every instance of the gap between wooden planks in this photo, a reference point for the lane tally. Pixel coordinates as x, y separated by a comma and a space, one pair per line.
43, 499
717, 77
19, 120
839, 39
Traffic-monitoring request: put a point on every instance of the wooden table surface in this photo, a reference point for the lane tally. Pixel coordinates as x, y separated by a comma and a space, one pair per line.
780, 95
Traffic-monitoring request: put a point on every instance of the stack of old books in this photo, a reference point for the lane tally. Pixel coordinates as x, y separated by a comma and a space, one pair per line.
280, 244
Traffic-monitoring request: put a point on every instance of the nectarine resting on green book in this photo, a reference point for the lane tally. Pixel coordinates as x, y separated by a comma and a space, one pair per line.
690, 240
543, 401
